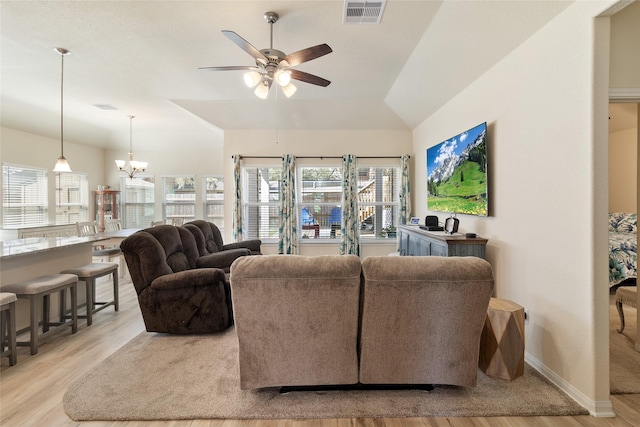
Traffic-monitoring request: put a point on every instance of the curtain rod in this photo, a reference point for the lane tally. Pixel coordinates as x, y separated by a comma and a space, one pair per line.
319, 157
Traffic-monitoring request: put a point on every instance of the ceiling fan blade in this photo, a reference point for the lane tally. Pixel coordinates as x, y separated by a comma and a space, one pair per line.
307, 54
245, 45
309, 78
231, 68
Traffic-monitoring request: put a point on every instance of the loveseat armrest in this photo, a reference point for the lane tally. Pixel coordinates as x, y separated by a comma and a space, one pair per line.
189, 279
222, 259
253, 245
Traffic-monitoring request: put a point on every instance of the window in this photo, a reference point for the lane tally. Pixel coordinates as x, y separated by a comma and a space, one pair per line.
214, 200
138, 201
179, 197
261, 199
378, 201
24, 196
319, 201
72, 198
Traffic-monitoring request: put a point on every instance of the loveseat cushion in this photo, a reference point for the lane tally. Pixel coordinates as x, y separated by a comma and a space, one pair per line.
422, 319
297, 319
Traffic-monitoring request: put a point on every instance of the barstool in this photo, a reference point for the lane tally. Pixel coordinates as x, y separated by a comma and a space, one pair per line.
38, 292
88, 274
8, 326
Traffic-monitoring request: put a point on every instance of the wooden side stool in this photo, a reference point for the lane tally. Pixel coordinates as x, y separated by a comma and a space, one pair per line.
8, 326
502, 340
88, 274
38, 292
627, 295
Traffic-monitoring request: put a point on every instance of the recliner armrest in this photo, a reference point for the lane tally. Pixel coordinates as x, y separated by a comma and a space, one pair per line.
189, 279
222, 259
253, 245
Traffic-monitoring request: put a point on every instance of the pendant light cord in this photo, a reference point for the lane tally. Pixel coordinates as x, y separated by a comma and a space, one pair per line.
62, 54
131, 137
277, 114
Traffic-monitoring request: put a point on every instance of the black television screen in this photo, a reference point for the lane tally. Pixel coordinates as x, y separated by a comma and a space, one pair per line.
457, 174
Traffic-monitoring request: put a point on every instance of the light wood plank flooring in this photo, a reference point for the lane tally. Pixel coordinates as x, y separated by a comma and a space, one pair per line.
31, 391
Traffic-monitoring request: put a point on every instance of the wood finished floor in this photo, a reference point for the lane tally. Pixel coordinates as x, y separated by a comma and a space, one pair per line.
31, 391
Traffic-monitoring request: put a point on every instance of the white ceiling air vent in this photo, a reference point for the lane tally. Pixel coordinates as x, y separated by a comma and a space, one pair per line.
363, 12
106, 107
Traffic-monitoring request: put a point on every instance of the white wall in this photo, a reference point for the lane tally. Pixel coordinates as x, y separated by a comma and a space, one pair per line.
22, 148
185, 159
26, 149
544, 199
623, 147
311, 143
625, 47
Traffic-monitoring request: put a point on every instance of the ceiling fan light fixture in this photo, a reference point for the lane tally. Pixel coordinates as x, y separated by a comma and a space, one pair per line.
273, 65
283, 77
252, 78
262, 90
289, 90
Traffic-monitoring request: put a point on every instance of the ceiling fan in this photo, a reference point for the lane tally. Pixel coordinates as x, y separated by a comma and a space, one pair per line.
272, 64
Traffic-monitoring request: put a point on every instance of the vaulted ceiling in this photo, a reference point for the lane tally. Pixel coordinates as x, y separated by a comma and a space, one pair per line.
142, 58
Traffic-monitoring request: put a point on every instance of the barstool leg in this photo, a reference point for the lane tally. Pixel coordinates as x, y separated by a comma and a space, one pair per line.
35, 306
91, 298
4, 332
116, 304
74, 308
11, 325
46, 306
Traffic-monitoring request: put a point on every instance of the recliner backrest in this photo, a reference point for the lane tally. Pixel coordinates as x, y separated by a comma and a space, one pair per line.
212, 237
179, 246
146, 259
158, 251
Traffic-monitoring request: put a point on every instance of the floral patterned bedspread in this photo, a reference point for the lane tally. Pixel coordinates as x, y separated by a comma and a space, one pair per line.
623, 248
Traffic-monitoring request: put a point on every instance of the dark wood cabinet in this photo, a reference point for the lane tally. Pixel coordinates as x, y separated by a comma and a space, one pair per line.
417, 242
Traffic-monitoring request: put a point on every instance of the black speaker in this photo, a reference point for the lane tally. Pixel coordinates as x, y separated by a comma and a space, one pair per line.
431, 221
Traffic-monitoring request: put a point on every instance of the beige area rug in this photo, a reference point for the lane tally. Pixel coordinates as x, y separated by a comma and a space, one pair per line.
162, 377
624, 360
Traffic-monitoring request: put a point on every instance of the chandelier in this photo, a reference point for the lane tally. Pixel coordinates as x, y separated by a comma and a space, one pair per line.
132, 167
62, 165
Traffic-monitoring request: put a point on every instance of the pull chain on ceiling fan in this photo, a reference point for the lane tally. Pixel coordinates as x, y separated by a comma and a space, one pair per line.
273, 64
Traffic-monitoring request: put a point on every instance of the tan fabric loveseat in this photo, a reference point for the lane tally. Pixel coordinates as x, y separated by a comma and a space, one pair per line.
333, 320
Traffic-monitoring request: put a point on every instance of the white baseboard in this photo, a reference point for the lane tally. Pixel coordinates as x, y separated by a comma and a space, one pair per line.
597, 408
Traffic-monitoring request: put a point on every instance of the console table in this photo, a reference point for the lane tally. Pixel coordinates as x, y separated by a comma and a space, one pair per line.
417, 242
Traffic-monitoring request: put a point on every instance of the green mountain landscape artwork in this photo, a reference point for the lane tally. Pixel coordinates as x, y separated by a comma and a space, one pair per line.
457, 174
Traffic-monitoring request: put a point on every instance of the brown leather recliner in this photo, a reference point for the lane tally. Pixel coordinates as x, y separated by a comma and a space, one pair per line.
213, 252
174, 295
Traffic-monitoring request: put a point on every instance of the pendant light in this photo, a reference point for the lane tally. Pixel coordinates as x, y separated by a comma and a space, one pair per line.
62, 165
133, 167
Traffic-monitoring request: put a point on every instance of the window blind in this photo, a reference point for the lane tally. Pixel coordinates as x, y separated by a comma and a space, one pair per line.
138, 201
24, 196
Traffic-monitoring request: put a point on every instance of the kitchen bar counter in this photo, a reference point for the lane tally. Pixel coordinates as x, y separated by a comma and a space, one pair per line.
38, 245
25, 259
